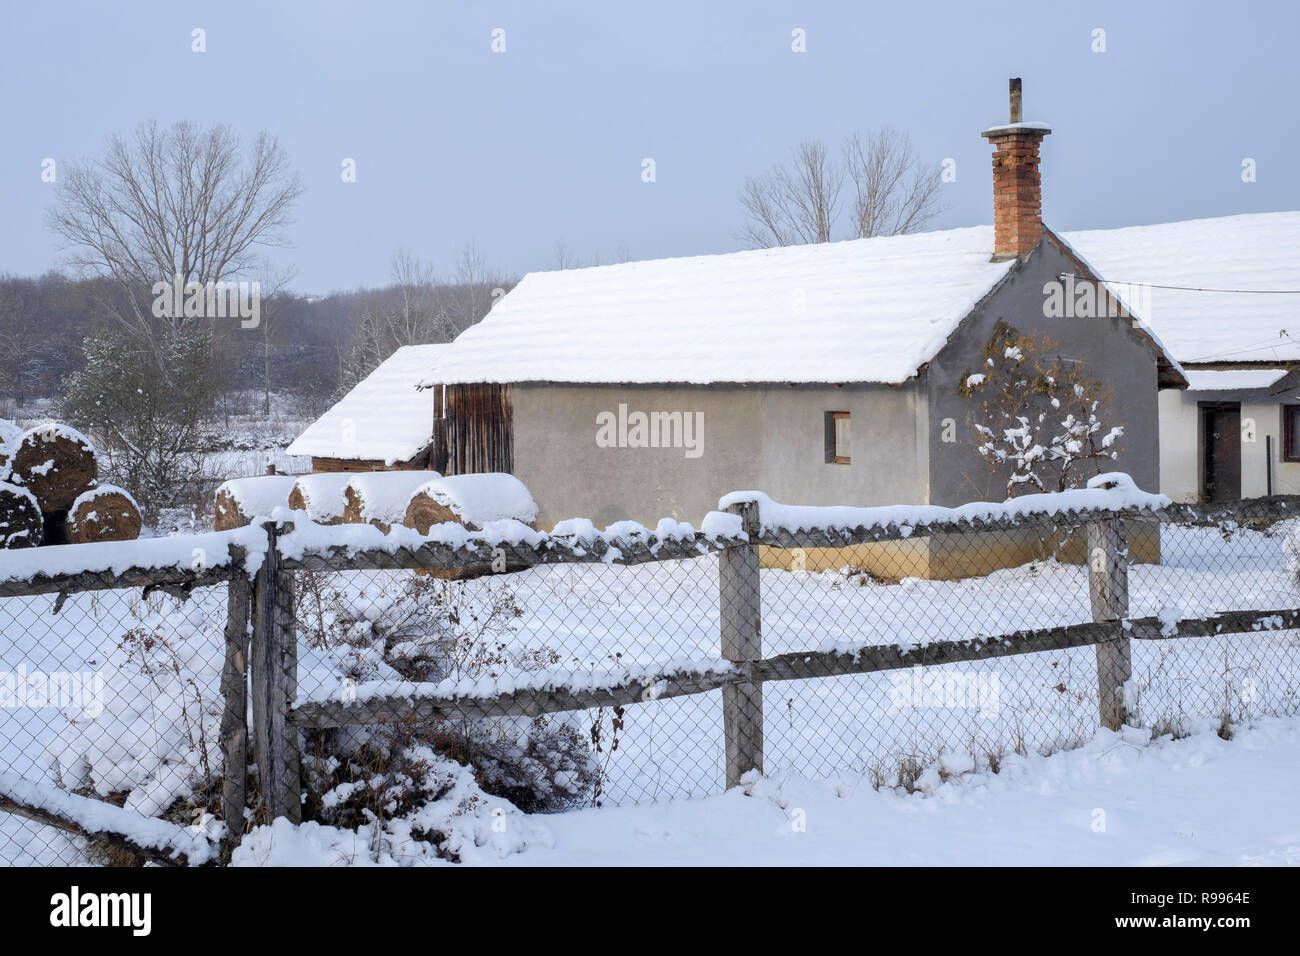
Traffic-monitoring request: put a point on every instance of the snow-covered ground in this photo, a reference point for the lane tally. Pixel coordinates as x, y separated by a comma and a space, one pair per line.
870, 729
1119, 800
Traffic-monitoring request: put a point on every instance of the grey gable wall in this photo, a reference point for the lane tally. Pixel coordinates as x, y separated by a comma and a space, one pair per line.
1109, 347
768, 437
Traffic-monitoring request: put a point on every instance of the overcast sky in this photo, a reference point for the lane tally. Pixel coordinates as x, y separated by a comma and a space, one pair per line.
545, 142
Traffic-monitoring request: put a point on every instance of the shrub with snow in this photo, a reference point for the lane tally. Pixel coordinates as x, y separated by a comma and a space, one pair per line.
156, 741
421, 628
435, 788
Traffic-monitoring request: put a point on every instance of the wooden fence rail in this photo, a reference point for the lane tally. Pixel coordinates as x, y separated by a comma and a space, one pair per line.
423, 702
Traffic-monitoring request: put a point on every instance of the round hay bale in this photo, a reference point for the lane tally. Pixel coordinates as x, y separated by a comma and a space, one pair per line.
21, 525
227, 511
321, 496
380, 498
471, 500
354, 508
105, 513
55, 463
241, 500
423, 511
9, 434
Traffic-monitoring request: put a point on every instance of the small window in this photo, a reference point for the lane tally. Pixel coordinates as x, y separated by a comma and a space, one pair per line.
838, 438
1291, 432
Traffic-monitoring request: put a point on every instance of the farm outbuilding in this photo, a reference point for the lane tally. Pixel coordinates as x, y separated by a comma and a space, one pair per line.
1224, 296
385, 422
822, 374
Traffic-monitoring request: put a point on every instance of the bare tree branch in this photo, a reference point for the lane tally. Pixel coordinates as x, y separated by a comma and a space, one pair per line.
174, 201
799, 201
793, 203
894, 192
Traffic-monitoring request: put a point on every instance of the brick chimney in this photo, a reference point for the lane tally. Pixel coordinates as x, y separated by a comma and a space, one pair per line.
1017, 187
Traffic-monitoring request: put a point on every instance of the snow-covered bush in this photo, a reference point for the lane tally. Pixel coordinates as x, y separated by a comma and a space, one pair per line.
421, 628
436, 787
1038, 418
156, 740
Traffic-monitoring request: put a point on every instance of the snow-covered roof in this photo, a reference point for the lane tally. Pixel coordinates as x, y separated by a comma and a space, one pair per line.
865, 310
384, 418
1251, 252
1232, 380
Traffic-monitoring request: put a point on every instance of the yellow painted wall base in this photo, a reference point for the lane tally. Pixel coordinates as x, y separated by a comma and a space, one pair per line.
950, 557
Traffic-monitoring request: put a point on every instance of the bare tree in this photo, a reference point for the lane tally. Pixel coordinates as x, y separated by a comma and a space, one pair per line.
564, 258
273, 281
476, 282
799, 202
793, 203
21, 343
174, 201
893, 191
415, 317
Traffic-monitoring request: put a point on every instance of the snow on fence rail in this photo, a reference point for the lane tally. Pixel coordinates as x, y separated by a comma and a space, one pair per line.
258, 563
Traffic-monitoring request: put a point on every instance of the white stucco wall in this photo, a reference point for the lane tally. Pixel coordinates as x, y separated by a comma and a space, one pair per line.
769, 438
1180, 442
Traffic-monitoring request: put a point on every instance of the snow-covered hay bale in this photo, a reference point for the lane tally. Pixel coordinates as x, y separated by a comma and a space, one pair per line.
321, 495
20, 517
104, 513
380, 498
55, 463
9, 435
240, 500
470, 500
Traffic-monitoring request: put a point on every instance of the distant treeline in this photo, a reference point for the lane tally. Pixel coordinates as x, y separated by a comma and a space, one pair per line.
308, 347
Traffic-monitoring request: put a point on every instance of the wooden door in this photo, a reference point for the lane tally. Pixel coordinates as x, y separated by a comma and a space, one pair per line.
1220, 448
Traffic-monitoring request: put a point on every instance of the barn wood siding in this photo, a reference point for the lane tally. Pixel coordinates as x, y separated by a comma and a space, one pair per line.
479, 431
419, 463
438, 451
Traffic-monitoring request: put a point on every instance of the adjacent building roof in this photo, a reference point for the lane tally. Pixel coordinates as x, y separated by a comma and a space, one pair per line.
386, 417
1233, 379
1257, 256
865, 310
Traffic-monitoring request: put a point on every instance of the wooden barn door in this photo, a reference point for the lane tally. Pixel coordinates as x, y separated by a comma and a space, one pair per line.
1220, 450
478, 429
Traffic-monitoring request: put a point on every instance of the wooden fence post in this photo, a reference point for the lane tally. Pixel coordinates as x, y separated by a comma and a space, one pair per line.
740, 614
274, 682
234, 689
1108, 592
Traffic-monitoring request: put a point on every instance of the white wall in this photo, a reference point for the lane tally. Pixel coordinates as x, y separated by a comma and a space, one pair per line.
1179, 442
765, 437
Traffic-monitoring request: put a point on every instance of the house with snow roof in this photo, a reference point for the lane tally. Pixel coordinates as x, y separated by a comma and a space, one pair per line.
820, 374
1224, 296
385, 422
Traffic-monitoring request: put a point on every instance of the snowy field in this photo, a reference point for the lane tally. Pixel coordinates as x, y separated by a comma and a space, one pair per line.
159, 723
1115, 801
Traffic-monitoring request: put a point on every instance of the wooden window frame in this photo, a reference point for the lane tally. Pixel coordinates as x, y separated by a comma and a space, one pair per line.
831, 457
1288, 453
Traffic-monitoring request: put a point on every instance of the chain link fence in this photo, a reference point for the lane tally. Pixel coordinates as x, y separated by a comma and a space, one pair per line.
432, 693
